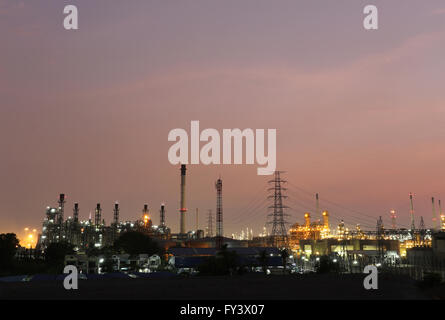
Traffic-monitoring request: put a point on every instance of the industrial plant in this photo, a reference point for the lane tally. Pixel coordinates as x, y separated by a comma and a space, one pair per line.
305, 242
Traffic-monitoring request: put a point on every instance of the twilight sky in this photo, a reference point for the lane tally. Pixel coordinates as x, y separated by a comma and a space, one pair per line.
359, 114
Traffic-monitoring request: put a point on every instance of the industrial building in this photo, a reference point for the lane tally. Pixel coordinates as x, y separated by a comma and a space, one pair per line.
84, 234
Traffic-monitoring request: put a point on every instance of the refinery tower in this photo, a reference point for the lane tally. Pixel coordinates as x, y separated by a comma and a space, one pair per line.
182, 209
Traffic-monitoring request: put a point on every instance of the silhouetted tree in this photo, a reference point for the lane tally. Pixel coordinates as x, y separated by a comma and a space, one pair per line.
55, 255
8, 246
225, 262
133, 242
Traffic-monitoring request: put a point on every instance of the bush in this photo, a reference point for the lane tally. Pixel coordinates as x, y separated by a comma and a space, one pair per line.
225, 262
8, 247
133, 242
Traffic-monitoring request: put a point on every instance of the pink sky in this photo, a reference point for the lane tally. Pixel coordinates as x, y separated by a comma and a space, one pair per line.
359, 114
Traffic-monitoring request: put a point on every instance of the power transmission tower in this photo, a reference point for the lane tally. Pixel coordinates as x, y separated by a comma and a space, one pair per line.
210, 224
279, 232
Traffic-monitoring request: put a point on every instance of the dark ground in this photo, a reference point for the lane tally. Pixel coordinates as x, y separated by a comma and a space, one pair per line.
250, 286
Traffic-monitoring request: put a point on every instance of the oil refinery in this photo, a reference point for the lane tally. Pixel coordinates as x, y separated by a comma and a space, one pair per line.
305, 241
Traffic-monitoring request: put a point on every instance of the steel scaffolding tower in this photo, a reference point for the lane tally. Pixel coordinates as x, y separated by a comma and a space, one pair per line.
279, 232
183, 209
219, 214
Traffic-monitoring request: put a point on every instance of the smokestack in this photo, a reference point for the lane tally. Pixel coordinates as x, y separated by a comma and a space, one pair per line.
441, 217
61, 207
76, 212
98, 215
116, 214
317, 206
162, 218
413, 225
197, 221
145, 216
183, 209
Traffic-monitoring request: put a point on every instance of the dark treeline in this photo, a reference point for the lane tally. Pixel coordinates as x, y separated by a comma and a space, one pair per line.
52, 260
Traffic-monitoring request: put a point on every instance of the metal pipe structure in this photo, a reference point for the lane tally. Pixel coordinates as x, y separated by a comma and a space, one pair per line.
183, 209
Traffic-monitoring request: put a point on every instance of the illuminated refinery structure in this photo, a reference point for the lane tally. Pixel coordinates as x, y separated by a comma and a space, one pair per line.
83, 234
316, 235
94, 232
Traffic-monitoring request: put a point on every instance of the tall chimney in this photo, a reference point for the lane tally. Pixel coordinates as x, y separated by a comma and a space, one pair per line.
98, 215
183, 209
317, 206
116, 214
413, 225
76, 212
162, 218
61, 208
